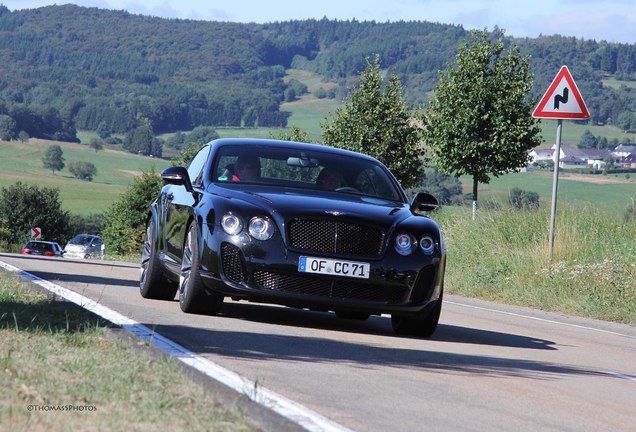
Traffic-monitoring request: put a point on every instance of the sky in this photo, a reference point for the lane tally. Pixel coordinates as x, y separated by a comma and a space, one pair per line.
609, 20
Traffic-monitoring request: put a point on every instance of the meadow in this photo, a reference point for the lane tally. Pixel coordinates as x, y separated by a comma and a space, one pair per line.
607, 194
115, 171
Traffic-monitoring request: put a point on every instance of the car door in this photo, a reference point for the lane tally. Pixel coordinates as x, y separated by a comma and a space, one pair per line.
177, 203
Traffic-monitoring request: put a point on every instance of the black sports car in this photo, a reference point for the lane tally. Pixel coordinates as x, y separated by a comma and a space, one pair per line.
301, 225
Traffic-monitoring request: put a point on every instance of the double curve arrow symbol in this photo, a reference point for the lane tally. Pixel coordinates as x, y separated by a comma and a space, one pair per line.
561, 99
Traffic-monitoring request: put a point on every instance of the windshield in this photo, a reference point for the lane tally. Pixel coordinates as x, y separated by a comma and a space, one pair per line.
38, 246
82, 240
291, 167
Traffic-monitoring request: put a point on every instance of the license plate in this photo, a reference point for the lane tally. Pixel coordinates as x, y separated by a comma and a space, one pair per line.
334, 267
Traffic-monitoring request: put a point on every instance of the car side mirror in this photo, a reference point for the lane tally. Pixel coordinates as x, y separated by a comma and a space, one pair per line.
424, 202
177, 175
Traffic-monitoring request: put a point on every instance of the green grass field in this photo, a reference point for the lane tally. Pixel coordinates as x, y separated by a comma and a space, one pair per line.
610, 194
115, 171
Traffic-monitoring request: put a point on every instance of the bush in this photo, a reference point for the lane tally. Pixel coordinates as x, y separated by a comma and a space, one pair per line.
126, 219
83, 170
23, 207
523, 200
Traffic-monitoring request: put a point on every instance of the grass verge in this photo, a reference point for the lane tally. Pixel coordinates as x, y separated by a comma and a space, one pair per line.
504, 256
60, 370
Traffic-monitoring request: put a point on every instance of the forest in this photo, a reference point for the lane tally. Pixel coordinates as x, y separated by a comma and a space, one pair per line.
68, 68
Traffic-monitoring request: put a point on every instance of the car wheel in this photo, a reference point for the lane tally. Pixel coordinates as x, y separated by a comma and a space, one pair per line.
192, 295
352, 315
418, 327
152, 282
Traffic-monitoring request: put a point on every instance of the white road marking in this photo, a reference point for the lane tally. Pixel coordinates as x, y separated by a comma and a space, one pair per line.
289, 409
539, 319
618, 375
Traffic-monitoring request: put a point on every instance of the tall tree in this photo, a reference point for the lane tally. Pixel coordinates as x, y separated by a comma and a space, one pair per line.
378, 123
480, 122
54, 158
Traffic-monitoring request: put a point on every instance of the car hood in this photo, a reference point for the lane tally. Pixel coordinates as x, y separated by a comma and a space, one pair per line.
288, 204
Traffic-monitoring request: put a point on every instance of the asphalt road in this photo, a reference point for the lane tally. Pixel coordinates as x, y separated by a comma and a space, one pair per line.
489, 367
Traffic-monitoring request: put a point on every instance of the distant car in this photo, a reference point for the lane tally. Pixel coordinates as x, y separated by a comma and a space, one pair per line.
84, 246
38, 247
253, 220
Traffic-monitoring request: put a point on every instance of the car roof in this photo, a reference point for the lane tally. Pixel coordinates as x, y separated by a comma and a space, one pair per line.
42, 241
247, 142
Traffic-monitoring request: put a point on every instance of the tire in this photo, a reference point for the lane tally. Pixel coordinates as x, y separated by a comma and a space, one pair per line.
192, 295
418, 327
352, 315
152, 282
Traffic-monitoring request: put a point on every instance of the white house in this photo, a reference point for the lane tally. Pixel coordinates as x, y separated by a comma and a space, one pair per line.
570, 156
625, 155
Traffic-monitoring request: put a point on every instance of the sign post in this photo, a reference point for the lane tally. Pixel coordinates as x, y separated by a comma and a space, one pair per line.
561, 101
36, 233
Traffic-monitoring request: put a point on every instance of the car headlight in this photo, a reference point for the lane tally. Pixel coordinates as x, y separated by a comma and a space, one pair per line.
231, 224
403, 243
427, 244
261, 228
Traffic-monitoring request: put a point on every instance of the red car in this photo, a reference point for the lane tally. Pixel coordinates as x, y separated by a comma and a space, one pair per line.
36, 247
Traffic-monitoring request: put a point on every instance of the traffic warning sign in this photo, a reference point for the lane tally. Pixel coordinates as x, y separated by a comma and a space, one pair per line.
563, 99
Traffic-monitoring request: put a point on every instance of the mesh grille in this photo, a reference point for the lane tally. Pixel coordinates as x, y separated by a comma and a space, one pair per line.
329, 289
330, 236
232, 263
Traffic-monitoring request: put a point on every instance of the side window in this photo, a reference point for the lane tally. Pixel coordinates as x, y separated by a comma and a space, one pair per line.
195, 168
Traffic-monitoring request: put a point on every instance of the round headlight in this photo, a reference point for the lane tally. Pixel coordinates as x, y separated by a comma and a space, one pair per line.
403, 243
261, 228
231, 224
427, 244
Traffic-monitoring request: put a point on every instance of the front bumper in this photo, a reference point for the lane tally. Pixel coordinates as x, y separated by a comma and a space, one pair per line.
247, 269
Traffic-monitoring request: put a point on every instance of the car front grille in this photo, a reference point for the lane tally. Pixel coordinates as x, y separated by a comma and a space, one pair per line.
342, 290
331, 236
232, 263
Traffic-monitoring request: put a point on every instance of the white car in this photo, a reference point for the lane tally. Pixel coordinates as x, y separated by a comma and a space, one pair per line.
84, 246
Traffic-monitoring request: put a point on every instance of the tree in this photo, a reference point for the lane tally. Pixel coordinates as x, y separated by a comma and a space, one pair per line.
125, 220
8, 128
23, 136
96, 144
142, 140
379, 124
83, 170
23, 207
201, 135
53, 158
102, 130
588, 140
294, 134
480, 122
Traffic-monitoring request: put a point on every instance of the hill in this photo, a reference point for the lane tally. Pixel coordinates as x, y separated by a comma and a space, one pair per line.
69, 68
